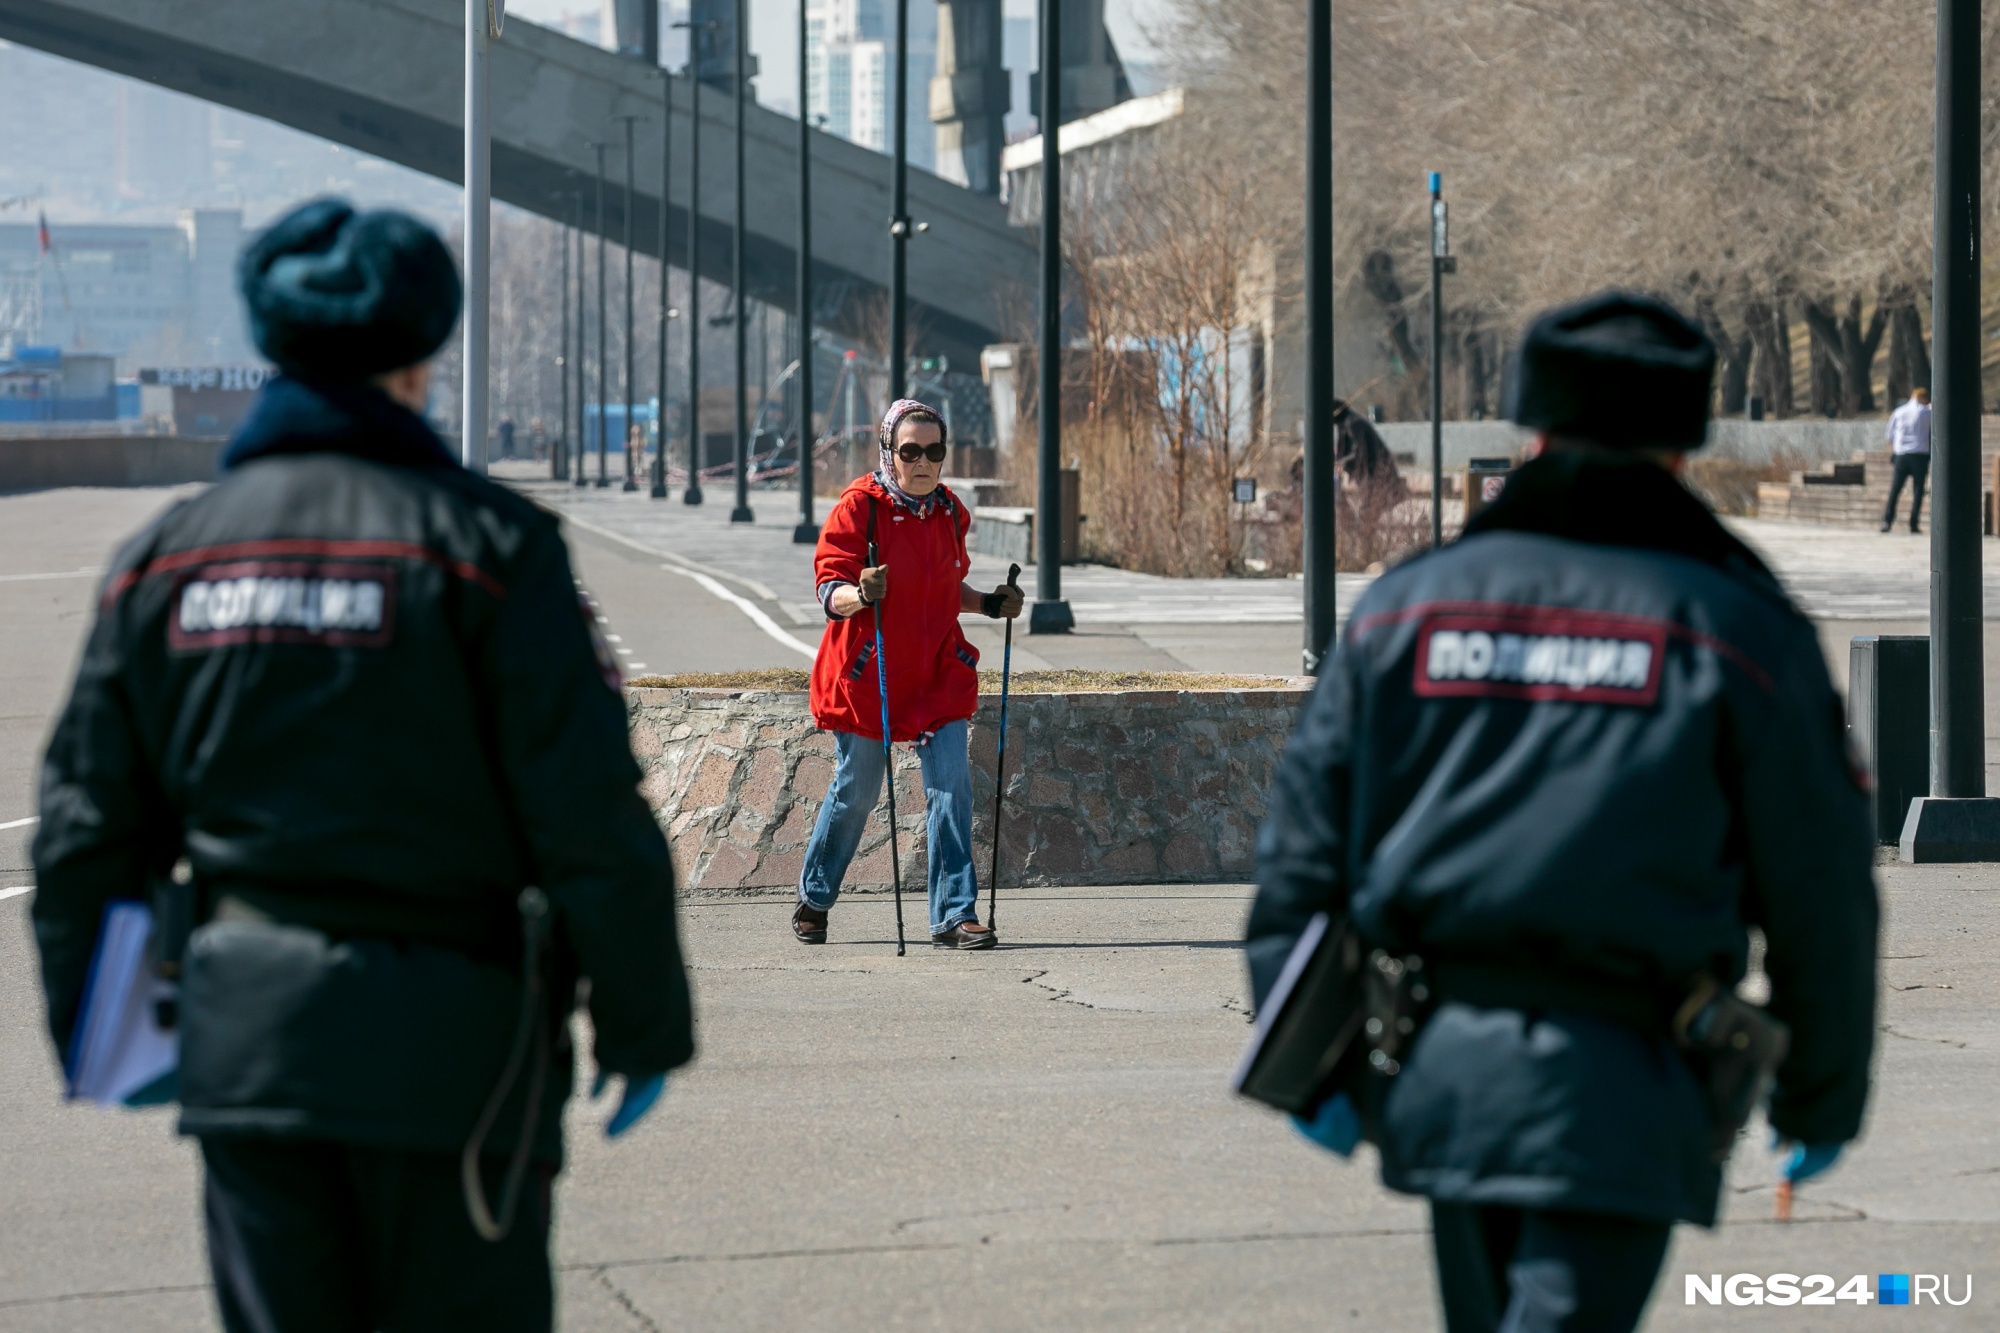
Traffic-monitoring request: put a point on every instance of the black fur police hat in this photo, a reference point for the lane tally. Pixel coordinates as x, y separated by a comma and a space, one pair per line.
1618, 369
337, 295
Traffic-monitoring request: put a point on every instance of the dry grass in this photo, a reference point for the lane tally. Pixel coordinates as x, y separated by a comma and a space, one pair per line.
1098, 682
1730, 486
1025, 682
773, 678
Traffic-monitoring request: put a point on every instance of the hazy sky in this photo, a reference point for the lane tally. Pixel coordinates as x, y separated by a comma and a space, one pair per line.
774, 25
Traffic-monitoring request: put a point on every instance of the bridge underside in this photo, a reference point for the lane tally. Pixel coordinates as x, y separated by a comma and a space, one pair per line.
552, 97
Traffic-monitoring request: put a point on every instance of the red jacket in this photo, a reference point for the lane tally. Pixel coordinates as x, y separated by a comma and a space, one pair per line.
933, 671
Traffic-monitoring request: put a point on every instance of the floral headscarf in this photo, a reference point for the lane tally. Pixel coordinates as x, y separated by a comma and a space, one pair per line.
886, 474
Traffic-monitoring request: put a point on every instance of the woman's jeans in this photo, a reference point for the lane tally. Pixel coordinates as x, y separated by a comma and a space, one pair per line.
850, 803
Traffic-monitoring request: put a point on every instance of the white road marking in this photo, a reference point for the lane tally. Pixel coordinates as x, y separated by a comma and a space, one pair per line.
748, 608
680, 562
19, 823
16, 892
66, 574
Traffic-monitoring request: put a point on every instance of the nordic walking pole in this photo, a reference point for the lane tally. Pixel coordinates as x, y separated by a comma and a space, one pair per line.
888, 763
1000, 761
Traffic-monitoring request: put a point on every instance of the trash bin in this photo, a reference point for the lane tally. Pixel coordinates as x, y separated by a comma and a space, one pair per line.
1484, 480
1889, 723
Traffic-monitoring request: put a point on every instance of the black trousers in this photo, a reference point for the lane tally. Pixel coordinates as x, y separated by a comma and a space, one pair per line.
1914, 468
308, 1237
1514, 1270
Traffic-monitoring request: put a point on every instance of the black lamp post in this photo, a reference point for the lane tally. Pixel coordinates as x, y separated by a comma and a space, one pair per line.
807, 530
576, 452
1317, 556
692, 495
603, 332
899, 204
659, 489
1957, 821
1441, 264
1050, 614
559, 451
631, 376
741, 513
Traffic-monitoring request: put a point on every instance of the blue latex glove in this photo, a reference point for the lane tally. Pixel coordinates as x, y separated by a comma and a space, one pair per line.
1803, 1161
1336, 1126
640, 1094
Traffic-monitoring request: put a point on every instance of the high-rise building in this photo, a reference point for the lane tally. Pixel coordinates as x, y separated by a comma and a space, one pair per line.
850, 58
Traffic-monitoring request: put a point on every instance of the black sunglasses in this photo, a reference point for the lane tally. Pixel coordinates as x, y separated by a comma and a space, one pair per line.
910, 453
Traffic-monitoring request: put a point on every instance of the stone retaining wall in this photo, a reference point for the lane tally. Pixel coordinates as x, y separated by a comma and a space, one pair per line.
1133, 787
40, 463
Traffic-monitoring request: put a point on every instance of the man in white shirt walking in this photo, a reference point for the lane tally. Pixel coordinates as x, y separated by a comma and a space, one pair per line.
1910, 440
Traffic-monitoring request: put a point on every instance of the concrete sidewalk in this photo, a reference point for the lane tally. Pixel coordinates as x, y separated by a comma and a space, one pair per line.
1041, 1135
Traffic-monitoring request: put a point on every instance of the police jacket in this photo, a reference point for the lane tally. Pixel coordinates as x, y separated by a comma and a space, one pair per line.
1585, 747
351, 684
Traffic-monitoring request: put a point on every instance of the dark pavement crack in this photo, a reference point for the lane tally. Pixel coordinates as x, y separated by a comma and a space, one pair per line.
118, 1293
617, 1293
1937, 1041
1056, 992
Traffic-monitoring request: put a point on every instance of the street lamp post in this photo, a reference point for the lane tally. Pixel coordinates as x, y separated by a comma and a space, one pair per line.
899, 205
1050, 613
603, 333
1441, 264
692, 495
807, 530
659, 490
741, 513
576, 452
631, 375
559, 455
1957, 821
1319, 480
483, 19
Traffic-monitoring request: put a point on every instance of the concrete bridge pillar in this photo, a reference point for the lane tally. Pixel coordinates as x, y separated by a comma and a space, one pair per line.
970, 94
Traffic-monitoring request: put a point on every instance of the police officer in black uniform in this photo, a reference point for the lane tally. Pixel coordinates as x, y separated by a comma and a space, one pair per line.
1566, 764
344, 712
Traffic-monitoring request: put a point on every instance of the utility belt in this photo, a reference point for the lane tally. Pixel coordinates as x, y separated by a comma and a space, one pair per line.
488, 935
487, 929
1339, 1009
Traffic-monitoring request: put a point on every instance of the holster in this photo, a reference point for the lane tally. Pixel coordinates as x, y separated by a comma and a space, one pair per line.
1398, 998
176, 909
1735, 1048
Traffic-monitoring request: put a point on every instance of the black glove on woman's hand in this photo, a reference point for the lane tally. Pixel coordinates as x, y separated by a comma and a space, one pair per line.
1005, 600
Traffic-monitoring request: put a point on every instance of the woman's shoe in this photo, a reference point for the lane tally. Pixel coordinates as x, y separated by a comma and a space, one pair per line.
808, 925
966, 935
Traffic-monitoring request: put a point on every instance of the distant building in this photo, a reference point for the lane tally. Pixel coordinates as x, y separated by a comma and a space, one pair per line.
45, 384
1097, 152
849, 73
136, 294
208, 400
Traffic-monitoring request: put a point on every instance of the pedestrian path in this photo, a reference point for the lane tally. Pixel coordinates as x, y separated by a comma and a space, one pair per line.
761, 557
1833, 573
1854, 574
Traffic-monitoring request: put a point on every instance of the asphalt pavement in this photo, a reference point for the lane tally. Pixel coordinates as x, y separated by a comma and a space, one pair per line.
1040, 1135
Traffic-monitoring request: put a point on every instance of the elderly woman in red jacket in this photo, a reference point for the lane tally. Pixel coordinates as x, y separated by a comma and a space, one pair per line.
916, 587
